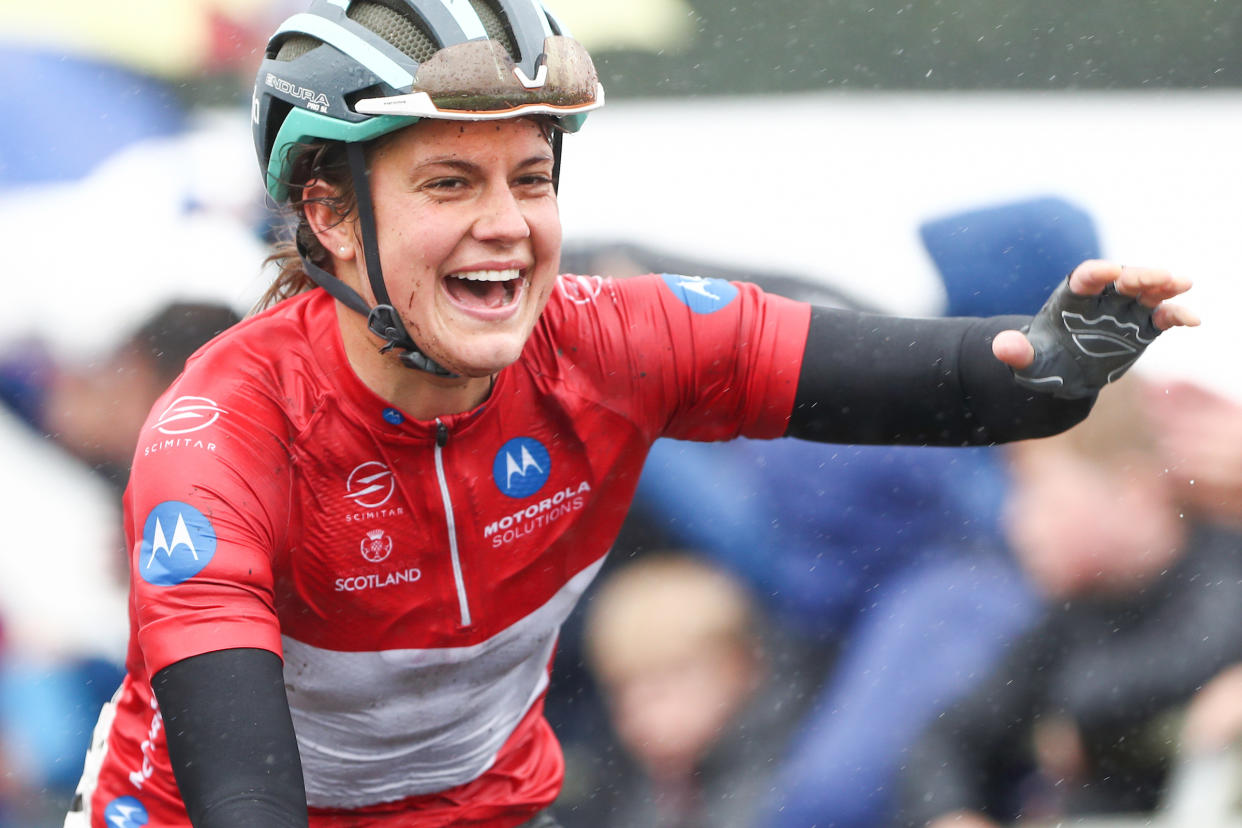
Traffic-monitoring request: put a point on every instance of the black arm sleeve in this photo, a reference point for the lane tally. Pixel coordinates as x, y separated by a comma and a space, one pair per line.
230, 740
868, 378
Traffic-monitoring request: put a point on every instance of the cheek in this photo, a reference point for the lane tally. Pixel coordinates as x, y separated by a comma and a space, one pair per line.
545, 227
413, 306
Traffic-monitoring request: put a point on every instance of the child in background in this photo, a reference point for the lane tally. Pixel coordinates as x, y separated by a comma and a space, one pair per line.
686, 667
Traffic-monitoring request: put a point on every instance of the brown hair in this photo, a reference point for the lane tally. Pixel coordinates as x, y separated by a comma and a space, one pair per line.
323, 161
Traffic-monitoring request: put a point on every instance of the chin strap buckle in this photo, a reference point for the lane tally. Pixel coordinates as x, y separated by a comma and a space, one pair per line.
382, 320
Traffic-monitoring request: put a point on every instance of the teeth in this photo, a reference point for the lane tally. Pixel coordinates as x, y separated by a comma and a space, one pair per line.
488, 275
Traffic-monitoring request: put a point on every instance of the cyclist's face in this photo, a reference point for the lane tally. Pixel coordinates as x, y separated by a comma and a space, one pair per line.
469, 236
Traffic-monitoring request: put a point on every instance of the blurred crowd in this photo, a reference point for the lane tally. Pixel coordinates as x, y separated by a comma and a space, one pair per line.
901, 636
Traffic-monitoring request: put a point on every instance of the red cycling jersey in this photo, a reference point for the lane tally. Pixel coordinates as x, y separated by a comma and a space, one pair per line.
413, 575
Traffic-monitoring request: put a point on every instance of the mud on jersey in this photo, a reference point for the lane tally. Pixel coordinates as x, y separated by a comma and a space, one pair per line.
413, 575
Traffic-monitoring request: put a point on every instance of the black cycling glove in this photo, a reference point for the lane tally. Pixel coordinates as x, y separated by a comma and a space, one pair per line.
1083, 343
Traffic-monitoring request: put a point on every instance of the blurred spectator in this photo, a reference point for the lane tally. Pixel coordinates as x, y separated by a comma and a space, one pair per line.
683, 656
68, 432
1007, 258
1205, 785
95, 408
1139, 614
1201, 432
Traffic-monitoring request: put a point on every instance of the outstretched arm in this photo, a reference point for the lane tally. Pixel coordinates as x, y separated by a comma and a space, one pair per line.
964, 381
231, 741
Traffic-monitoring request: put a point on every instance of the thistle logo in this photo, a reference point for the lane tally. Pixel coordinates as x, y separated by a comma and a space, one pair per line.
700, 295
376, 546
188, 414
370, 485
177, 542
521, 467
125, 812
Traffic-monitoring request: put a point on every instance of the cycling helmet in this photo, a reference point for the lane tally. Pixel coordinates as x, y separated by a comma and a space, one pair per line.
353, 70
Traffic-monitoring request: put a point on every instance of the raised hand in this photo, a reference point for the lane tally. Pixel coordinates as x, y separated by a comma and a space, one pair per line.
1093, 328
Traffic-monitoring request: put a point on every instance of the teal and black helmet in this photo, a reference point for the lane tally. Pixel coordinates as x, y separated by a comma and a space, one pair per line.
353, 70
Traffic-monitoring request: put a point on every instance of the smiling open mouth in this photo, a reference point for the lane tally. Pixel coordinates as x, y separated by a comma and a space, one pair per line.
484, 289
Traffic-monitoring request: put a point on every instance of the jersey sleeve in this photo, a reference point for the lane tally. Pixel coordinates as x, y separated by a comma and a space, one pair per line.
206, 513
692, 358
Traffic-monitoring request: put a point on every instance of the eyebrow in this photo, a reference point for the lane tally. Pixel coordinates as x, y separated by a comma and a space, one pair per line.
470, 166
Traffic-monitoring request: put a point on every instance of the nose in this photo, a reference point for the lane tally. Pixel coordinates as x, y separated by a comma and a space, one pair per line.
501, 218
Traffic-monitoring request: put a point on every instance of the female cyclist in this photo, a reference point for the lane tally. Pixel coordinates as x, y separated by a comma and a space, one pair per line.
358, 518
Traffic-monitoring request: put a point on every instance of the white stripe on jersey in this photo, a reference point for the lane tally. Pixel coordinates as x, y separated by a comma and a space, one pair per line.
380, 726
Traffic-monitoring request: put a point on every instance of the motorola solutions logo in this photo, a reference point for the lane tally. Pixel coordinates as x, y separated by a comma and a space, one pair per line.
581, 290
521, 467
187, 414
177, 542
699, 294
125, 812
370, 484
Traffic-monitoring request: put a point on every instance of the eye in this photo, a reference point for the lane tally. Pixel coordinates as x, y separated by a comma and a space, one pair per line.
445, 184
534, 181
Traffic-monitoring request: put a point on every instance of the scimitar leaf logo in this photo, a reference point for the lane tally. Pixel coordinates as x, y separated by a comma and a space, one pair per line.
170, 558
1104, 336
370, 484
188, 414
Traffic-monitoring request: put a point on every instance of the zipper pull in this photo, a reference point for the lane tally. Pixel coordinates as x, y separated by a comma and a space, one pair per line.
441, 434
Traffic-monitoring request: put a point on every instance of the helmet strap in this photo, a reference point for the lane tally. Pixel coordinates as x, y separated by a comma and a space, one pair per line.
556, 159
383, 319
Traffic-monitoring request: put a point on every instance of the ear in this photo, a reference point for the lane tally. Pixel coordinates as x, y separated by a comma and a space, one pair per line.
335, 233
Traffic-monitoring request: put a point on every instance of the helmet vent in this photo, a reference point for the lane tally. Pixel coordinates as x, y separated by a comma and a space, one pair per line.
297, 45
494, 24
398, 29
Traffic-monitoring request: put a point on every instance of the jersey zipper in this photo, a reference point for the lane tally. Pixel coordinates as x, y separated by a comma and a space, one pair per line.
442, 435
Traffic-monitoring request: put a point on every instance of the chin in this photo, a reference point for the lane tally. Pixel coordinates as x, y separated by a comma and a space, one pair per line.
480, 363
